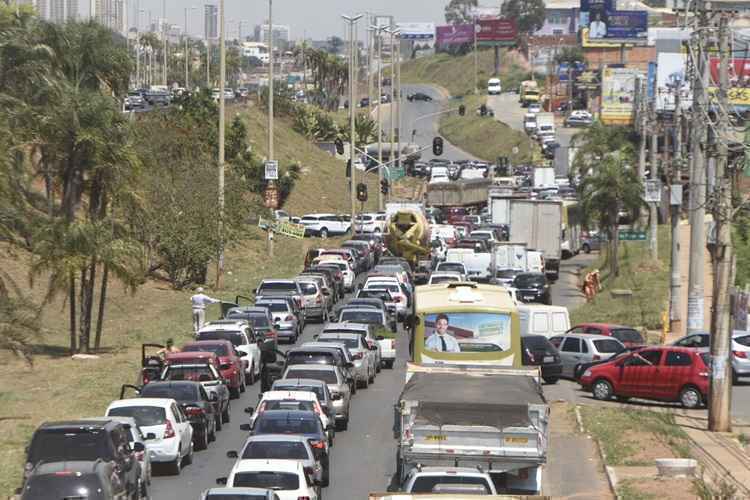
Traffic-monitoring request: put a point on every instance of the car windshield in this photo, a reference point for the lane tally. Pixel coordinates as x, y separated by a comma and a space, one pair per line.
274, 306
608, 346
507, 273
307, 358
266, 479
195, 373
218, 349
179, 392
443, 279
308, 288
286, 425
361, 316
144, 415
291, 404
233, 496
236, 338
256, 320
59, 445
381, 285
451, 266
534, 343
743, 340
277, 285
350, 343
317, 390
375, 294
329, 377
627, 335
425, 484
529, 280
273, 450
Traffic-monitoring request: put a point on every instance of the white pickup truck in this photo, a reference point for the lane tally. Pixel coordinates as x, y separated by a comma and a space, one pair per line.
493, 419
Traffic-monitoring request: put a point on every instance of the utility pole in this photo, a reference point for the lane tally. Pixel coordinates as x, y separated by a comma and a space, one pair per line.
380, 122
642, 128
476, 58
654, 226
208, 63
185, 36
352, 140
222, 77
695, 310
271, 61
164, 41
675, 318
720, 390
397, 37
370, 50
391, 153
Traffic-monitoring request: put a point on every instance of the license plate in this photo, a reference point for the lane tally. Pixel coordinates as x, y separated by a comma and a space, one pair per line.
528, 297
516, 440
549, 359
435, 438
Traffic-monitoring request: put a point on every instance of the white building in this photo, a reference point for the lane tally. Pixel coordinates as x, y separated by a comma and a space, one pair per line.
256, 49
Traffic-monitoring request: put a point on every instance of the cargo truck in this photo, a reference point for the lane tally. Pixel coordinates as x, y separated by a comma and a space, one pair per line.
544, 177
455, 420
539, 223
462, 193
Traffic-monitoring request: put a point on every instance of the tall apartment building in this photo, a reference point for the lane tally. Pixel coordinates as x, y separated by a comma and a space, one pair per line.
112, 14
211, 22
62, 10
280, 34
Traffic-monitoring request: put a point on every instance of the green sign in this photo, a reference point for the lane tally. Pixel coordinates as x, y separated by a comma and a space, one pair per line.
632, 235
283, 227
394, 174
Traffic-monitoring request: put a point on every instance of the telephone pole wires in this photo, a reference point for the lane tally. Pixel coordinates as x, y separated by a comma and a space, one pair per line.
675, 317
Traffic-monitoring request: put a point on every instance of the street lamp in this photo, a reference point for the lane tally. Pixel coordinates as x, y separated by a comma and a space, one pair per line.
378, 31
394, 86
222, 78
185, 36
352, 20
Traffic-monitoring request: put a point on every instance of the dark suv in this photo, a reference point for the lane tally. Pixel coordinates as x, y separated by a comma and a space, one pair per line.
532, 287
55, 480
87, 440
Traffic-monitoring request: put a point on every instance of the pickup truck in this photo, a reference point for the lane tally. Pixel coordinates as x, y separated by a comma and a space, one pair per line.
475, 417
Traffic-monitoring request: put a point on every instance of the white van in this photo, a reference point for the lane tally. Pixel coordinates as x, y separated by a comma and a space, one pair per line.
494, 86
534, 261
539, 319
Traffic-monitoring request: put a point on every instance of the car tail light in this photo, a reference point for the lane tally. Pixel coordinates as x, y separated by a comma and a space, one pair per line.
169, 431
703, 374
289, 318
309, 471
316, 408
596, 357
318, 299
740, 354
357, 355
193, 411
303, 498
271, 334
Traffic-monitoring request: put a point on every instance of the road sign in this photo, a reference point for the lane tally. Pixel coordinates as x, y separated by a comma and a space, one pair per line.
652, 191
394, 173
283, 227
272, 170
632, 235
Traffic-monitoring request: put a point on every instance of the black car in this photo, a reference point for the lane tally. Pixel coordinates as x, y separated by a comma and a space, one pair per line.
305, 423
158, 98
419, 96
200, 407
67, 479
532, 287
86, 440
364, 102
538, 351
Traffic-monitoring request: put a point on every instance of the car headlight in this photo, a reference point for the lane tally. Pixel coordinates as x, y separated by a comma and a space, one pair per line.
587, 373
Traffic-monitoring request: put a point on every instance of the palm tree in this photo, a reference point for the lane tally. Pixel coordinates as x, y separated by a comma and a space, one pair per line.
613, 186
599, 141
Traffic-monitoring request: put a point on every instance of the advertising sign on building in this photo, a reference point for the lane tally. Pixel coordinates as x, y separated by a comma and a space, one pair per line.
602, 22
454, 34
417, 31
618, 91
670, 76
739, 81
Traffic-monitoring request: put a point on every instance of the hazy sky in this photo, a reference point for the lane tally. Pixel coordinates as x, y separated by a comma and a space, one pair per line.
316, 18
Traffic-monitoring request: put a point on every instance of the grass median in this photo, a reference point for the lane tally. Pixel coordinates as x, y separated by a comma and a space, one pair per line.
648, 280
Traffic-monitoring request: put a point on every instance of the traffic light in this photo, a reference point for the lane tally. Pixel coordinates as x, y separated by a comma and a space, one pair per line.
362, 192
461, 110
339, 145
437, 146
348, 168
384, 186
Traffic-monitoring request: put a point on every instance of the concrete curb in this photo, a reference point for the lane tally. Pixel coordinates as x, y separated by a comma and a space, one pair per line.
609, 471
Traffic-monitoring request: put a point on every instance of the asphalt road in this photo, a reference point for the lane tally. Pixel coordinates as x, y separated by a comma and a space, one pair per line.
508, 110
417, 124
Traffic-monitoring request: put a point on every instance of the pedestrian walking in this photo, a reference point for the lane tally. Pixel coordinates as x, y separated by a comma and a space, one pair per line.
199, 302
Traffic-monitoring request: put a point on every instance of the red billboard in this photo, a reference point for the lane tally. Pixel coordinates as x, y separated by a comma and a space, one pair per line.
454, 34
497, 30
739, 71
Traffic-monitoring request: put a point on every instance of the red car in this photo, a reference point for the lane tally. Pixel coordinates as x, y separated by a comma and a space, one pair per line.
630, 337
455, 214
664, 373
231, 366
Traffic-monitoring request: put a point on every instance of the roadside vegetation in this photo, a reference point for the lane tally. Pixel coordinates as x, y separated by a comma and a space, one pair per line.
484, 136
648, 280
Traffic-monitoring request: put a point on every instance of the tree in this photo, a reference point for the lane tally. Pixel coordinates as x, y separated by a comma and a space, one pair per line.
613, 186
569, 55
335, 44
599, 141
460, 11
529, 14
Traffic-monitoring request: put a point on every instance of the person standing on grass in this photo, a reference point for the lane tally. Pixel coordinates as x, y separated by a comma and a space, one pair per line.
199, 302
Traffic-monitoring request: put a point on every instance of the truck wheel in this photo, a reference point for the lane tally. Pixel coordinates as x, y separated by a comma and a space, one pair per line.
225, 417
201, 440
389, 364
586, 248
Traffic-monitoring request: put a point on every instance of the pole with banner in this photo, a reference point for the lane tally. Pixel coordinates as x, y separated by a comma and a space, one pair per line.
271, 197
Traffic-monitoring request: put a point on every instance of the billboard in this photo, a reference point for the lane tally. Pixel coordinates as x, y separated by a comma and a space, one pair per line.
454, 34
417, 31
603, 22
739, 81
496, 30
670, 74
618, 91
591, 9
